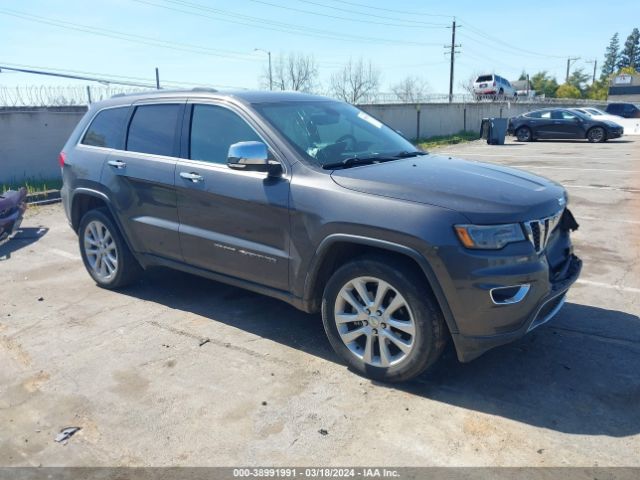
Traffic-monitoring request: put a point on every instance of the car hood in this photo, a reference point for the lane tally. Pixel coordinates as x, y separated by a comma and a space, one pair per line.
484, 193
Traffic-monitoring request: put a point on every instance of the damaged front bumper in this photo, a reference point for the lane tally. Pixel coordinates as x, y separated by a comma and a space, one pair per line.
471, 347
12, 207
515, 293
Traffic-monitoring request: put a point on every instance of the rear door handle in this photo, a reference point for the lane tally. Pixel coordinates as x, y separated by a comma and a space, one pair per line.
117, 163
191, 176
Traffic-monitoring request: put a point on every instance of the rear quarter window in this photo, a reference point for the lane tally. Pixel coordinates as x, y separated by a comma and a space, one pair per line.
107, 128
153, 129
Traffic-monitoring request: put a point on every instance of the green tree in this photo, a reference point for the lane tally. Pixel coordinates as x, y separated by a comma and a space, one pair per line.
543, 83
523, 76
611, 57
579, 79
568, 91
630, 55
599, 90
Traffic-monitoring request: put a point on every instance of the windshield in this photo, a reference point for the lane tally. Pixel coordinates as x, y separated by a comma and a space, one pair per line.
327, 132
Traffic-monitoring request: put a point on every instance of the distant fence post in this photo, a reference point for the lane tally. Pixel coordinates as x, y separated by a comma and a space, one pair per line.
464, 118
88, 95
417, 121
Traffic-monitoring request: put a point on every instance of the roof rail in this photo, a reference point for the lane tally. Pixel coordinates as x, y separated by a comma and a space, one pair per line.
204, 89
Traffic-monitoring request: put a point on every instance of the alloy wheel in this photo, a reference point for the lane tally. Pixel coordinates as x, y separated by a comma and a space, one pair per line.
523, 134
101, 250
375, 321
596, 134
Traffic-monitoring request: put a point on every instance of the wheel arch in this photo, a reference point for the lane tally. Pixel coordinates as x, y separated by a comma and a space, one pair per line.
86, 199
337, 248
83, 200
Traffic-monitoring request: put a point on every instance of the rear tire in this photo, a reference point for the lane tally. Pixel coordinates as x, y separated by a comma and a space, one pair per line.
596, 135
523, 134
393, 334
105, 254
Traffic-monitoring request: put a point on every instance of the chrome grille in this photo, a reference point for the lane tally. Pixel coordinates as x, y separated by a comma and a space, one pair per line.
539, 231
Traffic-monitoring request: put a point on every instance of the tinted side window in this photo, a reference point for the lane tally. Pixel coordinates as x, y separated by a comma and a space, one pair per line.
545, 114
568, 115
534, 114
153, 129
106, 129
614, 108
213, 130
484, 78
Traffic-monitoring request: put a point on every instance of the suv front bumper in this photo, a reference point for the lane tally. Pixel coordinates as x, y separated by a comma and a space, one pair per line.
469, 347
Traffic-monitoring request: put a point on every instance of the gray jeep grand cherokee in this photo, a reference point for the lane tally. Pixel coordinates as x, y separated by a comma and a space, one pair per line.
316, 203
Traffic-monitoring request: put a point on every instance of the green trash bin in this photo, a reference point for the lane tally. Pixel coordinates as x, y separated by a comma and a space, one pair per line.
498, 131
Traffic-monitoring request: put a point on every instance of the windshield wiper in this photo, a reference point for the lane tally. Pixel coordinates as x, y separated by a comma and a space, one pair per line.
353, 161
406, 154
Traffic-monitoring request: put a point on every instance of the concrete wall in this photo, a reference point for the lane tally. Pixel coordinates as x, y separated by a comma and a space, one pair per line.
31, 139
445, 118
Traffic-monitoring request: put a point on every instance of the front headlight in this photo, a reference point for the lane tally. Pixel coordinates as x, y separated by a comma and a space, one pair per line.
489, 237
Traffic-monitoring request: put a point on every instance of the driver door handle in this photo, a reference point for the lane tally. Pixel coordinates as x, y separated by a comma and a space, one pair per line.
191, 176
117, 163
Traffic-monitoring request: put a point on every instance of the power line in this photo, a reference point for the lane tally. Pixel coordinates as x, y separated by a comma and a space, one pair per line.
261, 23
476, 53
129, 37
355, 4
139, 39
407, 23
507, 45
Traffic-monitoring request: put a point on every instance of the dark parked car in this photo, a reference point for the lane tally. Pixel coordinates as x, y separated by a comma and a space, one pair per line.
626, 110
561, 123
12, 207
317, 203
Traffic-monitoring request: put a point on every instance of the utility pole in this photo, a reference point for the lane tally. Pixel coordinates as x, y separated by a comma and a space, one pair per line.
595, 66
528, 85
453, 57
157, 79
570, 60
268, 52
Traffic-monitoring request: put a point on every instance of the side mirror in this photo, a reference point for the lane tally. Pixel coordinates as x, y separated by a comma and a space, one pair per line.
249, 156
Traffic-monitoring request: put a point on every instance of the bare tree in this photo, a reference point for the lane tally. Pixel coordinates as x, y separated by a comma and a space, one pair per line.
356, 82
294, 71
467, 84
411, 89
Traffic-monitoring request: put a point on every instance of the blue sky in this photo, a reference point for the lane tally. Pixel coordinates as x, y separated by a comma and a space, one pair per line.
212, 42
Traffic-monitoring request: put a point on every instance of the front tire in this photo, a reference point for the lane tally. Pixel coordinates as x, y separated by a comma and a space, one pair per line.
104, 252
596, 135
523, 134
383, 321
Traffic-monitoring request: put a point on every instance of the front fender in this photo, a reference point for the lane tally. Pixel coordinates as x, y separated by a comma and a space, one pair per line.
326, 244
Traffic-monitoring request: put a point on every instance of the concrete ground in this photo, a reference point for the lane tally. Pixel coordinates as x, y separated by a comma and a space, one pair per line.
133, 370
